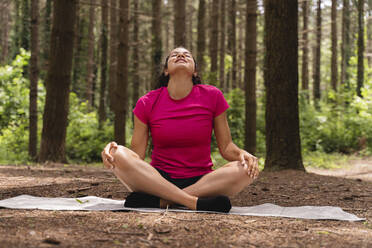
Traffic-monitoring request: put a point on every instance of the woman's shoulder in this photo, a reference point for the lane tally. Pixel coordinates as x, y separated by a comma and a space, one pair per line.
209, 88
151, 95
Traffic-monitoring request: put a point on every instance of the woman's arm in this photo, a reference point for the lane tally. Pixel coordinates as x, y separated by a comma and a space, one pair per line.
229, 150
140, 138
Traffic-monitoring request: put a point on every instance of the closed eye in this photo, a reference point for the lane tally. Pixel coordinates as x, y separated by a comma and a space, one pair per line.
185, 54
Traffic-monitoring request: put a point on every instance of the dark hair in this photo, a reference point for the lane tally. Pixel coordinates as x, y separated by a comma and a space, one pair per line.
164, 79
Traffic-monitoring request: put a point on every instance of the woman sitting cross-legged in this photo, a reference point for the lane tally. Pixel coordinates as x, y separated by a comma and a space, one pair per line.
181, 115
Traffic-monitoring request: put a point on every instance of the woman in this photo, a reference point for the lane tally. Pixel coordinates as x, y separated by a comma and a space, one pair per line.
180, 116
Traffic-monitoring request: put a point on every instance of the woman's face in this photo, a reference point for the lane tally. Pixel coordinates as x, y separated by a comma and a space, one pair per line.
180, 59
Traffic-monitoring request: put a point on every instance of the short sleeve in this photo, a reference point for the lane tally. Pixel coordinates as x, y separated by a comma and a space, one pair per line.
221, 103
140, 110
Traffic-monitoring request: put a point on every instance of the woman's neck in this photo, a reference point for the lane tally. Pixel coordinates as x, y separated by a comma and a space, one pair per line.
179, 86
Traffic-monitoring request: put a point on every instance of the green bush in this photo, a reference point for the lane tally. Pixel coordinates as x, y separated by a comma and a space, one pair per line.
14, 91
341, 125
85, 140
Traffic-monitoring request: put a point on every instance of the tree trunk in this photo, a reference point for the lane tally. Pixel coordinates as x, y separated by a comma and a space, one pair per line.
360, 77
240, 51
201, 36
104, 45
46, 37
167, 20
190, 17
113, 52
58, 82
305, 49
34, 75
5, 33
76, 69
136, 76
16, 39
90, 60
345, 46
121, 102
179, 23
222, 44
334, 46
156, 41
369, 36
250, 76
25, 39
232, 41
316, 70
213, 41
281, 80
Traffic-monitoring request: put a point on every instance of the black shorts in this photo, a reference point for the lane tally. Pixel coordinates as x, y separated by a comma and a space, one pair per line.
179, 182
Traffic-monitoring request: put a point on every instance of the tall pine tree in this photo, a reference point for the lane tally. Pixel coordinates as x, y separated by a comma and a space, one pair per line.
283, 147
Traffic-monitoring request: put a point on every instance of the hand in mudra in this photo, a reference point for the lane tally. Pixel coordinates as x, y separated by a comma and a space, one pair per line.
250, 164
107, 158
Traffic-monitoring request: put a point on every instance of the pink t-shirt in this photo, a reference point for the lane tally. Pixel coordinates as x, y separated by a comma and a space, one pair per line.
181, 129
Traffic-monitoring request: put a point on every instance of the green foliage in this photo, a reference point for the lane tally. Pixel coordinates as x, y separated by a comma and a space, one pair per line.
323, 160
341, 125
236, 120
14, 110
14, 91
14, 140
85, 140
236, 116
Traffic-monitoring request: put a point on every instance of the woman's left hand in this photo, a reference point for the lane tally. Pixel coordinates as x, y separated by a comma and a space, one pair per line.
250, 163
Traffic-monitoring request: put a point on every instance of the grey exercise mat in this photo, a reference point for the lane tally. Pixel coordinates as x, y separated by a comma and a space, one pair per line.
93, 203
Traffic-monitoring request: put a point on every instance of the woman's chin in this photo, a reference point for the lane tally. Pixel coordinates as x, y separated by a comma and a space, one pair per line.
181, 68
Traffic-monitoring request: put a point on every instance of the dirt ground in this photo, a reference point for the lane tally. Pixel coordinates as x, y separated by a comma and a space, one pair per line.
349, 188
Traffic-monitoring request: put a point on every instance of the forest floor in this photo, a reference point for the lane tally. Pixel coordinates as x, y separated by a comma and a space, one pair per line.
349, 188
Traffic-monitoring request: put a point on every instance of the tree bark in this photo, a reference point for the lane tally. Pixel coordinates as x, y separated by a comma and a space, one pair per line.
222, 44
213, 41
113, 52
360, 76
190, 17
76, 69
104, 45
5, 32
90, 59
240, 51
121, 102
316, 70
34, 75
46, 36
167, 20
156, 40
305, 49
136, 76
179, 23
369, 36
250, 76
201, 36
17, 28
345, 45
281, 80
58, 82
334, 46
25, 39
232, 41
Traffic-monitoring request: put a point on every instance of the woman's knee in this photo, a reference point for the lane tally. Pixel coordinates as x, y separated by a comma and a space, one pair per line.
242, 176
122, 155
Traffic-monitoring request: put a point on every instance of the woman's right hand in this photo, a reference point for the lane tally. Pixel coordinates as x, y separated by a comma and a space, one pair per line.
107, 158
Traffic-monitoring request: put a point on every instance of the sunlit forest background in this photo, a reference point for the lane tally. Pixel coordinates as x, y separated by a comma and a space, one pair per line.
334, 65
